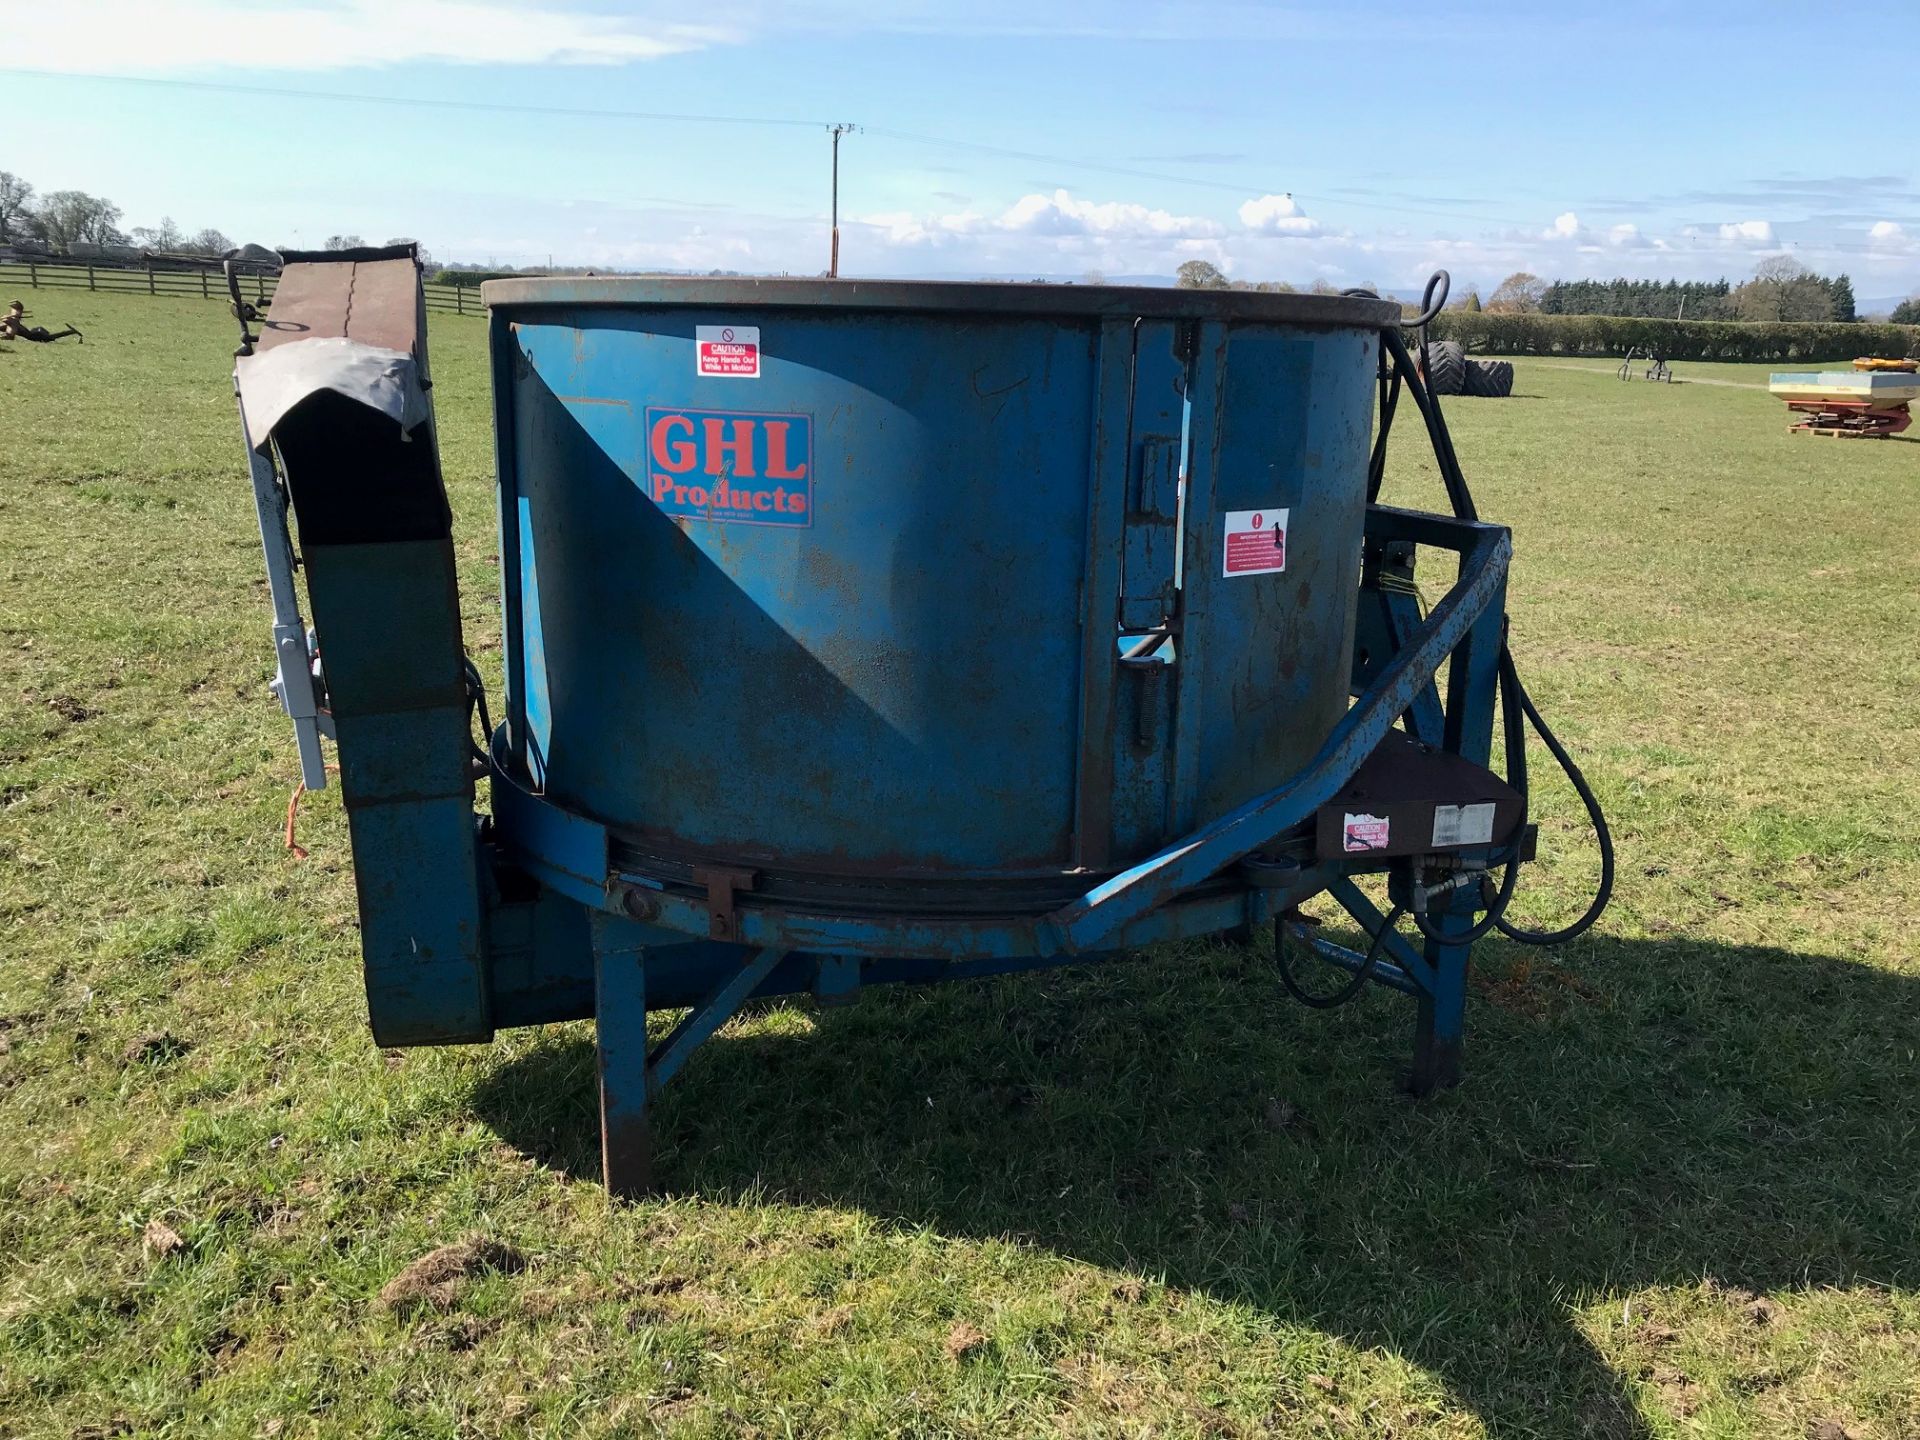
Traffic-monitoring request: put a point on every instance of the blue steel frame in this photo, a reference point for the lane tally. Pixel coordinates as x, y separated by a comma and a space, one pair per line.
650, 947
529, 917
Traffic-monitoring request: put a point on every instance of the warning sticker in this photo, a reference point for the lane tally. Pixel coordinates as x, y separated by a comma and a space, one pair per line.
1363, 832
1463, 824
1256, 542
731, 350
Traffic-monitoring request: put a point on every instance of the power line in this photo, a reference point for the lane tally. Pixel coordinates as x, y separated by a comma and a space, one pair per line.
504, 107
1235, 187
581, 112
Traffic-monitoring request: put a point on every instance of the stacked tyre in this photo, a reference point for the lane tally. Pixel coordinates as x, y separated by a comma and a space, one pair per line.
1444, 367
1490, 378
1447, 370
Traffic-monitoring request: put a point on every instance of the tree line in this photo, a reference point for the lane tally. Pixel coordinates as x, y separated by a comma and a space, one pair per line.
1205, 275
68, 222
60, 220
1781, 289
1797, 342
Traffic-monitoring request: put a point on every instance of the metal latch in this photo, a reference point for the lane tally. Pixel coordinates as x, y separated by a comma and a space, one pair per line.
1147, 591
723, 921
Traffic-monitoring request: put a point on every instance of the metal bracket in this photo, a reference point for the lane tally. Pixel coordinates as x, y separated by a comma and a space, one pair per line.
295, 682
723, 921
714, 1010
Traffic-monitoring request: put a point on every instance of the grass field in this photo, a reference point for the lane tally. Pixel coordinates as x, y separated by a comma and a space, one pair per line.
1679, 1193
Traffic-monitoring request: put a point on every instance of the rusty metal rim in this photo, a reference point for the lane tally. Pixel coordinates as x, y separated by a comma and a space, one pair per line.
941, 296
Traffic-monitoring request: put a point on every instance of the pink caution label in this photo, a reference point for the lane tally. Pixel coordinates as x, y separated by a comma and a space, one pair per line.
1363, 832
1256, 542
730, 350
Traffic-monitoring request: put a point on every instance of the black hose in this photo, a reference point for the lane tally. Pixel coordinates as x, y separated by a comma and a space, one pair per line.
1389, 399
1432, 302
1458, 495
1360, 976
1516, 705
477, 704
1602, 835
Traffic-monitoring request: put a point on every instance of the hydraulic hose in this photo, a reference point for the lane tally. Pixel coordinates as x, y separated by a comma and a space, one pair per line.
1517, 708
1353, 986
1603, 836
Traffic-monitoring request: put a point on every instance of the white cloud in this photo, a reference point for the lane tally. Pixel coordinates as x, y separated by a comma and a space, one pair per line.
1629, 237
1568, 228
1064, 235
1277, 215
1748, 235
902, 227
1061, 214
1891, 243
157, 36
1058, 217
1751, 232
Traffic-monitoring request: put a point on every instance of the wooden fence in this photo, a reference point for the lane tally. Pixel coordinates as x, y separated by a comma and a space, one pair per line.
206, 284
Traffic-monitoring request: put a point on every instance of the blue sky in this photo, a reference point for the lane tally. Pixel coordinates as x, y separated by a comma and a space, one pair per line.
1356, 142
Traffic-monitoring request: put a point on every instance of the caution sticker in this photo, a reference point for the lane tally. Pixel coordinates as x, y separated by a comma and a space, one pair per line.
727, 350
1256, 542
1363, 832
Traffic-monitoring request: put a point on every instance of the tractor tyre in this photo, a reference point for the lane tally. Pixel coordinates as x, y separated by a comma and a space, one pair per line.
1489, 378
1446, 363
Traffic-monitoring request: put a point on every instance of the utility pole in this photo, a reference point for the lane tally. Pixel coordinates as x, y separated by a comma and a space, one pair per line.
833, 258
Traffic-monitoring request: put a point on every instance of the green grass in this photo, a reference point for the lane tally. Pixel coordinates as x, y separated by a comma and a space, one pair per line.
1151, 1199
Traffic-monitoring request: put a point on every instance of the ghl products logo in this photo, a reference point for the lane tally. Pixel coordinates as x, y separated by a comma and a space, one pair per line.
729, 465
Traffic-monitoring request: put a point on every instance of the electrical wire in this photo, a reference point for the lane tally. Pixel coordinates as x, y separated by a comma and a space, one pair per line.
424, 102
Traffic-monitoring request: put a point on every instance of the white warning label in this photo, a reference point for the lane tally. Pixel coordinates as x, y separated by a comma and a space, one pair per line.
1363, 832
1463, 824
1256, 542
732, 350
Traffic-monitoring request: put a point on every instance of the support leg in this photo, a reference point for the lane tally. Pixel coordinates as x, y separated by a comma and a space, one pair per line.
620, 1022
1471, 678
1441, 1019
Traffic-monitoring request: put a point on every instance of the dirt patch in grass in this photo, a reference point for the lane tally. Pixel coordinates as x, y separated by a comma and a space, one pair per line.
962, 1340
436, 1279
155, 1047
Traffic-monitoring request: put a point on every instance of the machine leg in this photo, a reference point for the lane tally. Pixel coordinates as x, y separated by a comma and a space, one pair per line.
620, 1011
1441, 1018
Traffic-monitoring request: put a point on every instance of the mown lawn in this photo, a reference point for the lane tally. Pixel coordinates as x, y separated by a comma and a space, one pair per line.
1679, 1193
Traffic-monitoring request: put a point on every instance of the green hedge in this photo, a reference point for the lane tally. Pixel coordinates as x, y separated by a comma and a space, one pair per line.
1613, 335
472, 279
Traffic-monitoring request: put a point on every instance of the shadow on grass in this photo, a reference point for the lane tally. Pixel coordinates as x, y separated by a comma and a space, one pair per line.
1675, 1112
